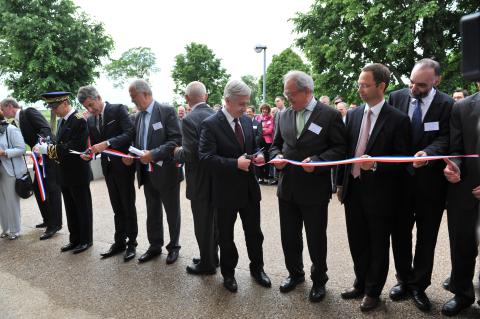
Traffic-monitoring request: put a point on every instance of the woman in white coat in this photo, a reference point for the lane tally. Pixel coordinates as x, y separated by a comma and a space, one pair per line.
12, 166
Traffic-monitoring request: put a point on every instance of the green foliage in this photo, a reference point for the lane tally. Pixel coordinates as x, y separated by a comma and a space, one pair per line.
134, 63
199, 63
48, 45
286, 61
256, 95
340, 37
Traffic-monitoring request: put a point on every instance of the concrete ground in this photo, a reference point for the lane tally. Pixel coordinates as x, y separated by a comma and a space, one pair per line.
37, 281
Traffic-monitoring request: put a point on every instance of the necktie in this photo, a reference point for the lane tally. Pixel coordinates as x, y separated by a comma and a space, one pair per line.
417, 129
239, 134
362, 142
141, 133
60, 124
300, 122
99, 123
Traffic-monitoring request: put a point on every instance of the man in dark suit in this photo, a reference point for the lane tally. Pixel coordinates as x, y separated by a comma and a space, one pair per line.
307, 131
370, 190
109, 125
424, 188
227, 146
157, 134
198, 180
74, 173
34, 126
462, 202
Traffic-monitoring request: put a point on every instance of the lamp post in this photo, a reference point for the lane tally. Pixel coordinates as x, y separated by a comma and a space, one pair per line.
259, 48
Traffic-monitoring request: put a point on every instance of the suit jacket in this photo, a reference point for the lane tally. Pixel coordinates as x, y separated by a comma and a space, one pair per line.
435, 142
14, 146
219, 149
391, 136
257, 131
117, 129
160, 142
33, 125
72, 135
464, 139
328, 145
198, 177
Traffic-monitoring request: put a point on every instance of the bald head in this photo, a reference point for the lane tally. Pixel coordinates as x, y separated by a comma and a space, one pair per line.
195, 93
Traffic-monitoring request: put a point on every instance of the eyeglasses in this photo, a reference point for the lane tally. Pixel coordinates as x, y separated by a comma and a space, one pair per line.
290, 94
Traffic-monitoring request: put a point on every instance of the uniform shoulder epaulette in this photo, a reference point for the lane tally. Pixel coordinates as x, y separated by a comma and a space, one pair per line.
79, 115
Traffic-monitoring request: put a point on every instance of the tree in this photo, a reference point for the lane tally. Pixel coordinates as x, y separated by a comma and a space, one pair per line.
340, 37
286, 61
200, 64
134, 63
48, 45
255, 96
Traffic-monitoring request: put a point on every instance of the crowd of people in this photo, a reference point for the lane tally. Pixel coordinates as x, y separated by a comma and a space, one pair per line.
225, 152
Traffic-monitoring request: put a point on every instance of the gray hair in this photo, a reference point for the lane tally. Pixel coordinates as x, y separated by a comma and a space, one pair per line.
429, 63
195, 88
86, 92
303, 81
9, 101
236, 88
141, 86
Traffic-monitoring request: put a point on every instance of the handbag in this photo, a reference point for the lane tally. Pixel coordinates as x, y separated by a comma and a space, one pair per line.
23, 184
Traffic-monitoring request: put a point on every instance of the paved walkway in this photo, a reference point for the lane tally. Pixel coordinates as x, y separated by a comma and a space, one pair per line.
37, 281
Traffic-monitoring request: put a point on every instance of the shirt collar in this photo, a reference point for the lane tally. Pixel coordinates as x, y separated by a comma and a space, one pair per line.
311, 105
375, 108
150, 107
229, 117
72, 110
427, 100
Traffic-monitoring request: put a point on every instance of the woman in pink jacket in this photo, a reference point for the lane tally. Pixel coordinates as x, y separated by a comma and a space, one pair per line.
268, 128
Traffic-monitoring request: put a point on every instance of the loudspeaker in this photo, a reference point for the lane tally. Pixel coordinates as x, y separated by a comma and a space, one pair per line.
470, 33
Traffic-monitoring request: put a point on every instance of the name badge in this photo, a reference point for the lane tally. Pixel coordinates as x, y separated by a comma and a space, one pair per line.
431, 126
157, 126
255, 127
314, 128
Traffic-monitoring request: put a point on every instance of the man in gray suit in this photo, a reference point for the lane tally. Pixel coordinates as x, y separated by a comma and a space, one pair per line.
198, 180
157, 133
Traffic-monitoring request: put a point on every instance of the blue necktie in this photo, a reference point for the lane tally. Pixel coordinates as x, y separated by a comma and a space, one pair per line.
417, 129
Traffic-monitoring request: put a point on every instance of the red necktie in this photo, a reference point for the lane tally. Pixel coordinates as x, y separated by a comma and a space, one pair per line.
239, 134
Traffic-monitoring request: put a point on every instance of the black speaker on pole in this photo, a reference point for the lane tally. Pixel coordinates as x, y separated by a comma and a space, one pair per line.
470, 33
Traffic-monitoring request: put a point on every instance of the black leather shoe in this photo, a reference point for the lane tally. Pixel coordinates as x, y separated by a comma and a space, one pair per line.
261, 278
198, 269
421, 300
149, 255
172, 257
317, 293
129, 253
196, 260
113, 250
41, 225
290, 283
68, 247
454, 306
398, 292
49, 233
352, 293
446, 284
81, 248
369, 303
230, 283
